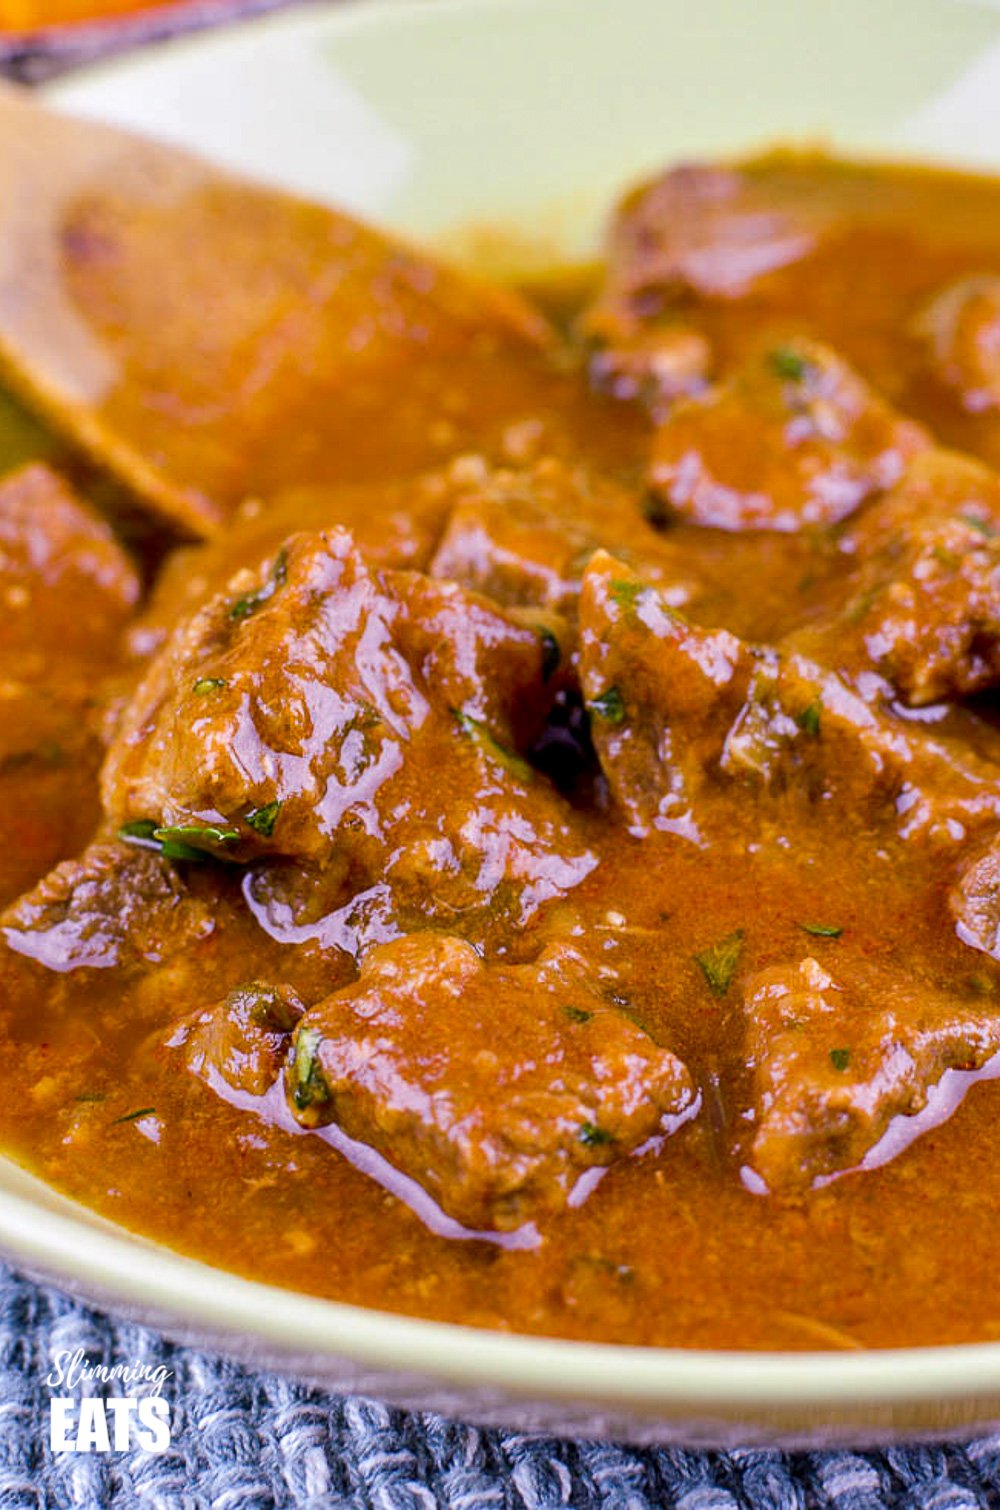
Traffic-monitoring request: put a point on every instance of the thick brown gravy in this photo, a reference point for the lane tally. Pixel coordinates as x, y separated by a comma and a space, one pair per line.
832, 810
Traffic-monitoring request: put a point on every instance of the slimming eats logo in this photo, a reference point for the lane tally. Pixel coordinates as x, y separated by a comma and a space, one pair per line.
83, 1422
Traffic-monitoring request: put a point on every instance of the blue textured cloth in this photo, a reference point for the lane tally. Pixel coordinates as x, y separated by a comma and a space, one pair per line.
245, 1441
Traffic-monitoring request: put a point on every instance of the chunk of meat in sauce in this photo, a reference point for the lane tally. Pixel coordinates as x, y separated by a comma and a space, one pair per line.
394, 524
974, 900
319, 708
661, 694
655, 364
502, 542
706, 229
924, 609
698, 230
523, 537
960, 328
56, 551
117, 906
794, 438
675, 709
241, 1043
495, 1087
834, 1063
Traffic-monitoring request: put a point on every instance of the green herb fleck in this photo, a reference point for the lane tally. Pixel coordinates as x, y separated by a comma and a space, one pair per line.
307, 1083
491, 746
243, 607
983, 526
208, 684
263, 819
786, 363
718, 964
626, 594
840, 1059
187, 841
609, 705
592, 1136
141, 828
142, 1111
946, 558
551, 655
577, 1014
862, 605
809, 719
822, 930
90, 1096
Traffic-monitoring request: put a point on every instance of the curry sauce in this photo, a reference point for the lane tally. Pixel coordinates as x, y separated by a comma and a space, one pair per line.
533, 860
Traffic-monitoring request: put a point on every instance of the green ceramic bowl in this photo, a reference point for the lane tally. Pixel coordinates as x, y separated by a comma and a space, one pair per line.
525, 117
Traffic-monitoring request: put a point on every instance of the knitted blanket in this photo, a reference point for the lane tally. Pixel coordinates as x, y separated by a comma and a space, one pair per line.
246, 1441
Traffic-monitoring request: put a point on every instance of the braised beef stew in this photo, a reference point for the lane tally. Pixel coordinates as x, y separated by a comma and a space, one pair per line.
535, 860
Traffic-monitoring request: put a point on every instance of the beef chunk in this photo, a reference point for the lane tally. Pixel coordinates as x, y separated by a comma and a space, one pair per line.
242, 1042
66, 586
674, 706
835, 1063
495, 1087
661, 694
395, 524
924, 605
523, 537
975, 901
116, 906
656, 364
504, 544
703, 230
793, 438
319, 708
960, 328
695, 233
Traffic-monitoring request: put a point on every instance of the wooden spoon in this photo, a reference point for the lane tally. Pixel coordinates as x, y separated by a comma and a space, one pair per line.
204, 338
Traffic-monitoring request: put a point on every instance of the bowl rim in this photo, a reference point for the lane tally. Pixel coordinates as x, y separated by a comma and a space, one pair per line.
96, 1258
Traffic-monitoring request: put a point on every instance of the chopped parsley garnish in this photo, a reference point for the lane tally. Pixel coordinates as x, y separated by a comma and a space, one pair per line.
625, 593
491, 746
180, 841
809, 719
983, 526
263, 819
551, 655
242, 608
187, 841
142, 1111
822, 930
862, 605
141, 828
592, 1136
718, 964
786, 363
577, 1014
90, 1096
208, 684
308, 1086
946, 558
840, 1058
610, 706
